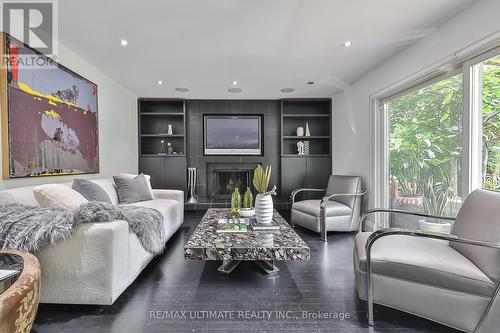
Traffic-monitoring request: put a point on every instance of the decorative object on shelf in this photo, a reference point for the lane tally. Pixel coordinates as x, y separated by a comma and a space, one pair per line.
300, 148
235, 201
263, 200
306, 147
248, 199
162, 147
50, 119
308, 131
300, 131
170, 131
170, 149
192, 185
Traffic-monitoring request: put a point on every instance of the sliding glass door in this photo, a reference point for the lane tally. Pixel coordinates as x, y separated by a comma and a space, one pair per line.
443, 138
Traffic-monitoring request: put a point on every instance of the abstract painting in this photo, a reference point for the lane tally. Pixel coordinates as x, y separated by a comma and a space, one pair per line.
52, 117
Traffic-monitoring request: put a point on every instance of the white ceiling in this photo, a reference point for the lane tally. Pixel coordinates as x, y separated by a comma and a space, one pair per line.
264, 45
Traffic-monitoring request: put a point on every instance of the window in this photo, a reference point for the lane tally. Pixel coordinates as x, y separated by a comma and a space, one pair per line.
488, 84
425, 148
438, 140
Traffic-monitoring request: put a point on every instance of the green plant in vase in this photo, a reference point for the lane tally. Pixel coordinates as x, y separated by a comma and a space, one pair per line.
235, 202
248, 199
263, 200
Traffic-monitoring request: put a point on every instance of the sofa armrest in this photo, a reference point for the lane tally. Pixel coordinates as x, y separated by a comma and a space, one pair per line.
90, 267
169, 194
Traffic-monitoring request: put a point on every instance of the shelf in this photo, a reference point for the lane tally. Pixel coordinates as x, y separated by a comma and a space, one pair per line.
163, 156
304, 156
292, 137
162, 135
306, 115
174, 114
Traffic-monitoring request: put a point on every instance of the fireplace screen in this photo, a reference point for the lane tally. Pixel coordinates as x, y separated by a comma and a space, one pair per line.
227, 180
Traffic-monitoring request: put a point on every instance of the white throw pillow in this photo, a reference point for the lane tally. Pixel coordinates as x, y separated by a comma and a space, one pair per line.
58, 196
148, 180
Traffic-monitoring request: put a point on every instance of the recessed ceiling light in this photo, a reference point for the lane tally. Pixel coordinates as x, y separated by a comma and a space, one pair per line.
287, 90
182, 89
123, 42
234, 90
347, 43
234, 83
160, 82
310, 82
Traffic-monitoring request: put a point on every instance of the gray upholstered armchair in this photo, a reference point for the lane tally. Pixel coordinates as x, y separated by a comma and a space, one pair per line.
451, 279
337, 211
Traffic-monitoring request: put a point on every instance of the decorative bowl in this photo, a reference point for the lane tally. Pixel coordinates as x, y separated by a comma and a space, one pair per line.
247, 212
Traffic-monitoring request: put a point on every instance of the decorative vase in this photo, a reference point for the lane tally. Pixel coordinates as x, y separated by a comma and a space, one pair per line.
248, 199
308, 131
264, 208
300, 131
235, 202
170, 131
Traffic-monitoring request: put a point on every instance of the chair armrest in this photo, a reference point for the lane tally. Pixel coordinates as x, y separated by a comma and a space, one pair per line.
414, 233
325, 199
296, 191
363, 217
169, 194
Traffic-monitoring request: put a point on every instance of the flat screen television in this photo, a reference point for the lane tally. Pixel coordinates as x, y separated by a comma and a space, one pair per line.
232, 135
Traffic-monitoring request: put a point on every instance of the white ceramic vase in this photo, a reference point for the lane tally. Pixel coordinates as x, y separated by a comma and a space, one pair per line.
264, 208
300, 131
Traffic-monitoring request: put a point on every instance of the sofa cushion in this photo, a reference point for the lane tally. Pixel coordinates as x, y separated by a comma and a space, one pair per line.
170, 209
132, 190
312, 207
90, 190
108, 185
58, 196
147, 177
22, 195
425, 261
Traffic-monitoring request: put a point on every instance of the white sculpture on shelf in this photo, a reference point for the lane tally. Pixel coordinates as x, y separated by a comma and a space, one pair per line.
300, 148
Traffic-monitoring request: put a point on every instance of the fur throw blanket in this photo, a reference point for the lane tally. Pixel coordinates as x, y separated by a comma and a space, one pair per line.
29, 228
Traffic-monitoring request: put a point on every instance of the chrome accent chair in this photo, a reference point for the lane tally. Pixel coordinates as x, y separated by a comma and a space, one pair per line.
451, 279
338, 211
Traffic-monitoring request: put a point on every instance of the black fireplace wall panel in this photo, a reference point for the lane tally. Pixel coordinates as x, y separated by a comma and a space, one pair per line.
270, 110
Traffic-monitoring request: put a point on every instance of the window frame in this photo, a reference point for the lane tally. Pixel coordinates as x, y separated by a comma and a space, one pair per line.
472, 118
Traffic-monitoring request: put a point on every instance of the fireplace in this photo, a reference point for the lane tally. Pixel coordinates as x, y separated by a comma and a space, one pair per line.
227, 180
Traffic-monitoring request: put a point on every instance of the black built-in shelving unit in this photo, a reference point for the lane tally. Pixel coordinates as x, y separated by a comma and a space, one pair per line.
314, 169
155, 114
294, 171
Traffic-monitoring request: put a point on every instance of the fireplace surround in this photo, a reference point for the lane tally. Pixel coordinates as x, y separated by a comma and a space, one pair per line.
222, 179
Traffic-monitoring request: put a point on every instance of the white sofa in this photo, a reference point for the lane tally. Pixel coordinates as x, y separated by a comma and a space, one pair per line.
100, 260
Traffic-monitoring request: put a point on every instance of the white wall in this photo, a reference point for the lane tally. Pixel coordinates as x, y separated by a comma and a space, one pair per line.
117, 116
352, 127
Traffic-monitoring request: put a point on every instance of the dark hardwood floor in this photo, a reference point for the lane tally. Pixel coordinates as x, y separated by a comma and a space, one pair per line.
169, 283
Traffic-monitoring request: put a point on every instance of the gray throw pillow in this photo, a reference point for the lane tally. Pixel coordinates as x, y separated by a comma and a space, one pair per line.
132, 190
90, 190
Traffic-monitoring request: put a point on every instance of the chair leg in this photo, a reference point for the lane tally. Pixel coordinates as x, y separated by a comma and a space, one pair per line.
322, 224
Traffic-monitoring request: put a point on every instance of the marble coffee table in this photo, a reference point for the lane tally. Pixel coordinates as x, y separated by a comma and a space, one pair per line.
261, 247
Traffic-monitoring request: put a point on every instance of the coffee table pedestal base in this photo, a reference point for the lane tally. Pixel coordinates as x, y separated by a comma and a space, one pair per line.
267, 265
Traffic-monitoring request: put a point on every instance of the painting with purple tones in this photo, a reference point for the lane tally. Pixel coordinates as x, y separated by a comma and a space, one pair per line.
52, 118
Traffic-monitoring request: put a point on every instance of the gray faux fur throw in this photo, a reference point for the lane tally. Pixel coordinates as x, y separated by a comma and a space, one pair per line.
29, 228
